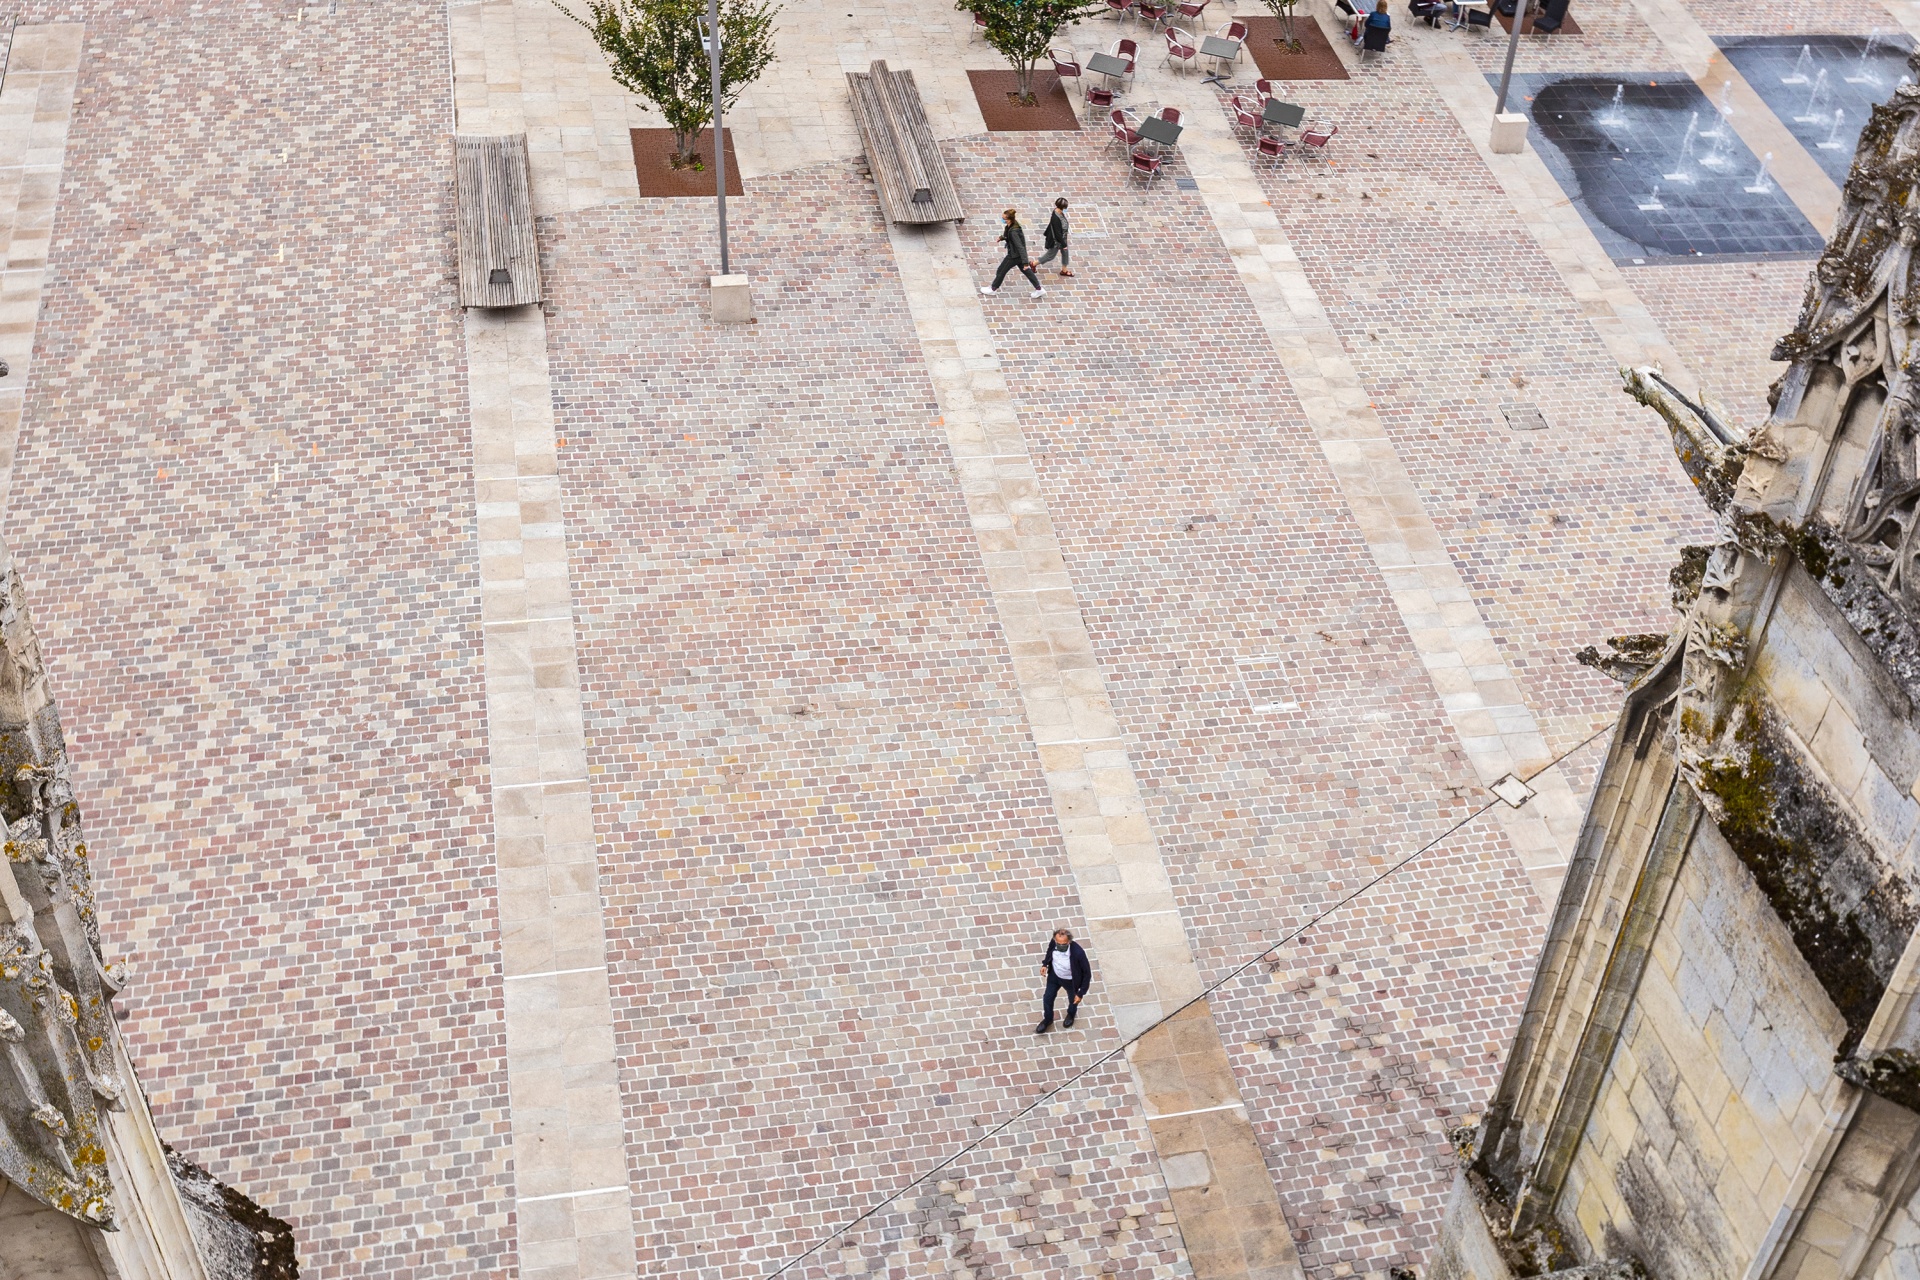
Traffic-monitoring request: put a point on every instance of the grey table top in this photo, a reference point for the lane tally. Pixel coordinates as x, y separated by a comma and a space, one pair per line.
1158, 130
1220, 47
1285, 114
1107, 64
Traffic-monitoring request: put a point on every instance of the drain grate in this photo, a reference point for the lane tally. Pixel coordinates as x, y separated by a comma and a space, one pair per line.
1186, 184
1523, 417
1267, 686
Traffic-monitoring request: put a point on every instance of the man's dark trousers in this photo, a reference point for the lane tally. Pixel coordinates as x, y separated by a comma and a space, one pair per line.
1055, 985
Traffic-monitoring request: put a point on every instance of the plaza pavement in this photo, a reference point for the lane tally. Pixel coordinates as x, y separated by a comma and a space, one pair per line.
586, 789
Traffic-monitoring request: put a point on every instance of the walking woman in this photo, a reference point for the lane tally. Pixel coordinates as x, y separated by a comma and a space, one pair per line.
1014, 236
1056, 238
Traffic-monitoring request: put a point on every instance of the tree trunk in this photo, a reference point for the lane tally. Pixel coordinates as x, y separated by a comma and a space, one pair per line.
684, 141
1023, 77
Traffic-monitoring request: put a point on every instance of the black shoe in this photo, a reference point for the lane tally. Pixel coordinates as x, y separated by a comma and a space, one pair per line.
1071, 1015
1046, 1025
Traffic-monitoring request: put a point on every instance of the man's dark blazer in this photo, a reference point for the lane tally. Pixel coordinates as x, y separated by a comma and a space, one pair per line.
1082, 967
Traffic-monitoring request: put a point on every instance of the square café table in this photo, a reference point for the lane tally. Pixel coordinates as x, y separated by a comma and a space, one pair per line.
1156, 130
1107, 65
1222, 51
1284, 114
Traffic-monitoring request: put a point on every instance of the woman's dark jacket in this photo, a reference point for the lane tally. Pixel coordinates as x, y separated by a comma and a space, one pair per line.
1016, 238
1056, 230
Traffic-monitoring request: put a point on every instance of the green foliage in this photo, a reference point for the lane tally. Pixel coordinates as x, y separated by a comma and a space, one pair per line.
654, 50
1022, 31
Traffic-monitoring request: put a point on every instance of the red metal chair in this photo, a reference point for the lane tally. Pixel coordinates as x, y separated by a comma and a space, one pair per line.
1098, 98
1120, 8
1192, 9
1273, 148
1244, 118
979, 25
1170, 114
1065, 68
1129, 50
1319, 136
1123, 133
1236, 31
1149, 12
1180, 45
1265, 89
1145, 164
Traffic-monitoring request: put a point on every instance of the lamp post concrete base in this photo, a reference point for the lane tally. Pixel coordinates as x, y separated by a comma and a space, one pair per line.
1509, 133
732, 299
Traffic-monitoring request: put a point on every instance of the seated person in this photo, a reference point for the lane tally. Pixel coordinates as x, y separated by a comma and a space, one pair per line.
1379, 20
1428, 11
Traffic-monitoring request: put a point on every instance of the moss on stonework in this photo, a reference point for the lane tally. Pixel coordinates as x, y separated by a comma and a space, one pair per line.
1808, 861
1894, 1075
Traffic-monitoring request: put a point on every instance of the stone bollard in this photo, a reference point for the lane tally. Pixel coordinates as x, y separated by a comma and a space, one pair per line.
1509, 133
732, 299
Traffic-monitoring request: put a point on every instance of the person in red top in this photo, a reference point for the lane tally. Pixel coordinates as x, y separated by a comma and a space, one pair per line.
1067, 968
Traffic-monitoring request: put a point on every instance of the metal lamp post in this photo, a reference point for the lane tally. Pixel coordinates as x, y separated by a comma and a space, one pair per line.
710, 36
1510, 128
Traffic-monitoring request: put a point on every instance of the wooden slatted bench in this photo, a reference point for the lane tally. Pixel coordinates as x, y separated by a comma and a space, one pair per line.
499, 258
907, 166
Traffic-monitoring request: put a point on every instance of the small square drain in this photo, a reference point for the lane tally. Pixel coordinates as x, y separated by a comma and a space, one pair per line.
1267, 686
1512, 791
1523, 417
1186, 184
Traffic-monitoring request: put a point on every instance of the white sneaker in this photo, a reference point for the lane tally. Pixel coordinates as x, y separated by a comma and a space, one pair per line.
1039, 293
987, 291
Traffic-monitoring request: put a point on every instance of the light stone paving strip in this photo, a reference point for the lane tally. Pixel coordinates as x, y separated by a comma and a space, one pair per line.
1496, 728
529, 63
36, 105
569, 1143
1224, 1199
569, 1132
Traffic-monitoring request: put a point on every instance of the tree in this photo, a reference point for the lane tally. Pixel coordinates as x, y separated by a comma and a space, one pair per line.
1283, 10
1022, 31
654, 49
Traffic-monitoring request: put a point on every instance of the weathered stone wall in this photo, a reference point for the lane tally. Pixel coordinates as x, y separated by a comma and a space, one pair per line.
1720, 1083
42, 1243
1896, 1256
1848, 715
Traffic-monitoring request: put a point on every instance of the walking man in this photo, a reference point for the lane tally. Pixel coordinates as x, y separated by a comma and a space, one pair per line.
1056, 238
1014, 236
1067, 968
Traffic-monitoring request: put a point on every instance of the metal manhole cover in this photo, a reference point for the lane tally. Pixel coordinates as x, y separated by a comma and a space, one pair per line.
1523, 417
1186, 184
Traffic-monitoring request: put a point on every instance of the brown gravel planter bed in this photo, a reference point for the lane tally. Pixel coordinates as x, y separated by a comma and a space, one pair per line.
1315, 61
1052, 108
653, 165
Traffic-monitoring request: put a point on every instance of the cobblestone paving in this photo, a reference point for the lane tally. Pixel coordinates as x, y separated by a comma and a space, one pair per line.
828, 854
1565, 535
242, 504
1285, 733
244, 507
1724, 318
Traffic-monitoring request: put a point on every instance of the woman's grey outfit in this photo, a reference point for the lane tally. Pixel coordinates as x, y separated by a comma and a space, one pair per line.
1056, 240
1016, 241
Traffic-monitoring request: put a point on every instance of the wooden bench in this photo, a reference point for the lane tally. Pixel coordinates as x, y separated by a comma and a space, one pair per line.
499, 258
907, 167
